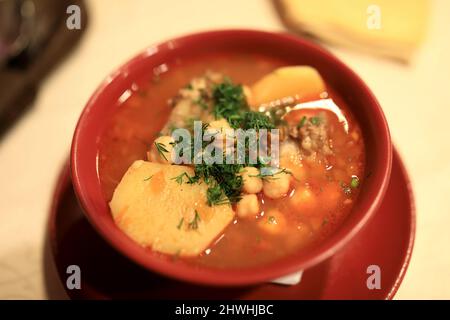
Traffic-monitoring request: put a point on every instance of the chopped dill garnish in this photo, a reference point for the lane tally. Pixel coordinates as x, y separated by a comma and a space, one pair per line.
148, 178
229, 102
271, 175
216, 196
221, 177
276, 115
179, 178
194, 223
223, 180
256, 120
161, 147
302, 122
180, 223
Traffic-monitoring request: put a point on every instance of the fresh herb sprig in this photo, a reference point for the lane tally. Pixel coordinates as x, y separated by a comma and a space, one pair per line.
302, 122
256, 120
148, 178
179, 179
161, 148
193, 225
224, 181
272, 175
229, 102
180, 224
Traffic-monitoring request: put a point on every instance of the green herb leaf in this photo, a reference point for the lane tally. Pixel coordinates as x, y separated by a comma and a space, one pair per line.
229, 102
216, 196
179, 178
224, 181
194, 223
148, 178
256, 120
302, 122
354, 183
270, 175
161, 147
180, 224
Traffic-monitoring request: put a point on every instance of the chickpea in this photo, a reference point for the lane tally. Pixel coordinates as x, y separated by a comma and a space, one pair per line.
251, 182
277, 186
248, 206
158, 154
303, 200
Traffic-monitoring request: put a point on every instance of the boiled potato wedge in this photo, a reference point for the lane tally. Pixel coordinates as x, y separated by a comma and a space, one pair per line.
303, 81
158, 212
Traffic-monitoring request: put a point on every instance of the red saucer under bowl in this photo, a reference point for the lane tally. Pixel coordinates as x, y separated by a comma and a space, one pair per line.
106, 274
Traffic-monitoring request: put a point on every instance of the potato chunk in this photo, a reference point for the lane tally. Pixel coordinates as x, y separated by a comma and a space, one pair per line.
278, 186
156, 211
290, 81
305, 201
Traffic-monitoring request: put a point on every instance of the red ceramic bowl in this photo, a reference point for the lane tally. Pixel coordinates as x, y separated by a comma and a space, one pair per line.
295, 51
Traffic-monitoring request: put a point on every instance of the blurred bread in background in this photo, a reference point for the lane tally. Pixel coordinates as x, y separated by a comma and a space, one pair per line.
392, 28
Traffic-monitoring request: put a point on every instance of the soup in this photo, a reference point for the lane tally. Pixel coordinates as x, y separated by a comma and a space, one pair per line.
231, 215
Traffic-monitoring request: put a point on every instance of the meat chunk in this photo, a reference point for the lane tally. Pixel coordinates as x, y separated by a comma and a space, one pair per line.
312, 135
193, 102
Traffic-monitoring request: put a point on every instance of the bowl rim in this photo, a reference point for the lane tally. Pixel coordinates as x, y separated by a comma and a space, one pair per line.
224, 277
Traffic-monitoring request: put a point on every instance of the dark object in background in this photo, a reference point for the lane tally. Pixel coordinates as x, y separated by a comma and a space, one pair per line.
33, 39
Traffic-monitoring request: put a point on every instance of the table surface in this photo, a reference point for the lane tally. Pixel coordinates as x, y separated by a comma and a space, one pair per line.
415, 98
